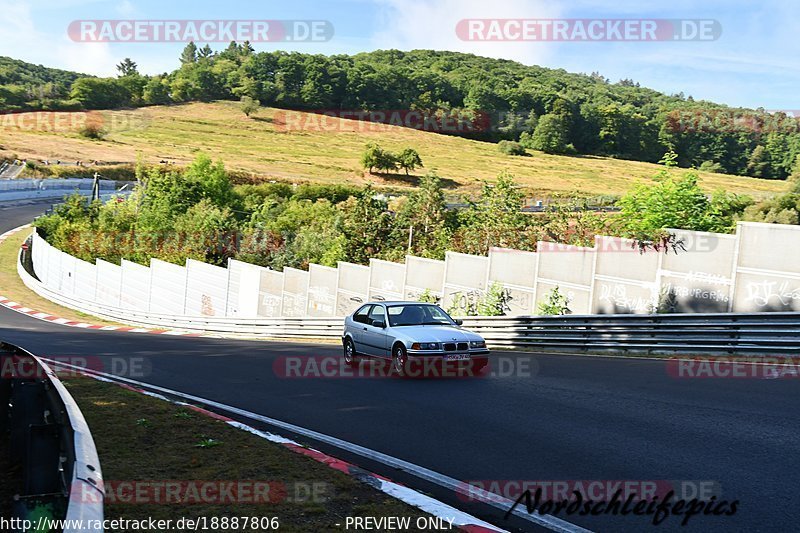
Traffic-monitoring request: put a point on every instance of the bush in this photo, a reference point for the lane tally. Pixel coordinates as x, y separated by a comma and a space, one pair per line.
710, 166
249, 106
555, 304
495, 301
512, 148
92, 130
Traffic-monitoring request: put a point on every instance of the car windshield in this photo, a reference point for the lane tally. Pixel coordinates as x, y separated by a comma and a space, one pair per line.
418, 315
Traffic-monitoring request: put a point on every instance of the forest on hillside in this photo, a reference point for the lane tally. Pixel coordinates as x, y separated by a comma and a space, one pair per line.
544, 109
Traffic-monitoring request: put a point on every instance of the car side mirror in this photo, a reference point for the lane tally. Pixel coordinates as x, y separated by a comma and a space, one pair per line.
379, 324
458, 321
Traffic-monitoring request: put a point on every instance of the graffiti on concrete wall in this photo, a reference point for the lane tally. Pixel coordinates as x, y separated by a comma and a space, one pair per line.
769, 293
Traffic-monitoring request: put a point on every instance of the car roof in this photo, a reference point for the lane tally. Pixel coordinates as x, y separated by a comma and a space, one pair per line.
399, 302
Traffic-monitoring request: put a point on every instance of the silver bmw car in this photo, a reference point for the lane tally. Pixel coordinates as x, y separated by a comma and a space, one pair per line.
411, 335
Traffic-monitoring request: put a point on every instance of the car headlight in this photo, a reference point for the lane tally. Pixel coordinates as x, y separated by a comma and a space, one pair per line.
425, 346
477, 344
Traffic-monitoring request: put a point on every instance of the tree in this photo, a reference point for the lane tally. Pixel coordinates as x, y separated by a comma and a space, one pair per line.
495, 219
130, 78
648, 209
375, 157
249, 105
409, 159
422, 221
100, 93
550, 135
205, 53
127, 68
366, 225
156, 91
189, 54
794, 179
758, 162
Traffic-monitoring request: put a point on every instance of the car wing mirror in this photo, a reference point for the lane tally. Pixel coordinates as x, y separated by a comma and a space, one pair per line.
458, 321
379, 324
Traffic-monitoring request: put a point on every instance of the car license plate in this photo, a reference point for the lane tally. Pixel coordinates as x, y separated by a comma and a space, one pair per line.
457, 357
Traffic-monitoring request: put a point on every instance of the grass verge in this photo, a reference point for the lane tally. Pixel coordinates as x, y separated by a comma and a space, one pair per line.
146, 439
11, 285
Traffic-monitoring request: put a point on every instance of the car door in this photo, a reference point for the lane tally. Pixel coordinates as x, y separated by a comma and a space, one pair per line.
360, 319
374, 339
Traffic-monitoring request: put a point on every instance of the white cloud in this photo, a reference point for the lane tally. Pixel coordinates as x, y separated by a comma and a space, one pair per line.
410, 24
126, 8
21, 39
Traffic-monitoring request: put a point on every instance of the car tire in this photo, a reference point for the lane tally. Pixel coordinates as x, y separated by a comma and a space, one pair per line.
399, 360
349, 354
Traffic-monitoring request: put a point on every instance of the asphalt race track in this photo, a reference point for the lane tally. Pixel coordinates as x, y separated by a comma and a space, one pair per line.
575, 418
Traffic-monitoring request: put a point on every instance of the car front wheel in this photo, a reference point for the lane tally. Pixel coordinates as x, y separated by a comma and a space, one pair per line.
399, 360
350, 353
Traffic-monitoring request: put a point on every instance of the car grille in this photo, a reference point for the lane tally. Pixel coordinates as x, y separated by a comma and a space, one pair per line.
452, 346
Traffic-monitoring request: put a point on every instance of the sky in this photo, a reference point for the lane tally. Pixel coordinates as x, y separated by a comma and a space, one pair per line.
753, 63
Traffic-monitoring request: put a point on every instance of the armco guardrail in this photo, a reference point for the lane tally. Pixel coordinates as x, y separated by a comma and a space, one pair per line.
49, 438
730, 333
51, 188
761, 333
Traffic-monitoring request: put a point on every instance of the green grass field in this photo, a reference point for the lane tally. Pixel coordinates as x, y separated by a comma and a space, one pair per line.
266, 148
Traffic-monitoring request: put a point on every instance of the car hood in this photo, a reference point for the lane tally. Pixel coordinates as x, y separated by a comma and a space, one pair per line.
438, 334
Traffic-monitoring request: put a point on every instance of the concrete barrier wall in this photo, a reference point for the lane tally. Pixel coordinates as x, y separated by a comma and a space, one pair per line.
167, 288
464, 282
294, 292
85, 280
697, 275
68, 274
423, 274
515, 271
352, 287
386, 280
109, 283
624, 279
322, 281
206, 289
270, 295
135, 286
767, 276
758, 269
570, 269
243, 288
